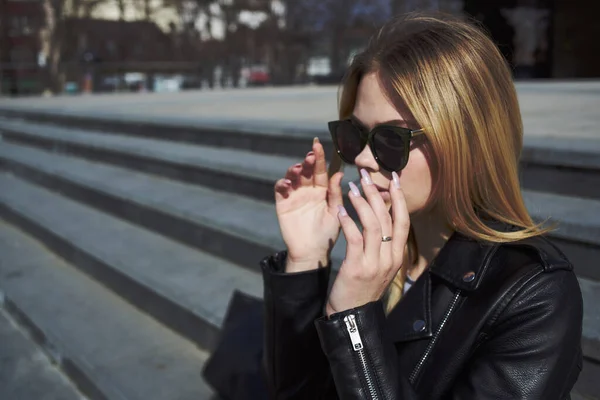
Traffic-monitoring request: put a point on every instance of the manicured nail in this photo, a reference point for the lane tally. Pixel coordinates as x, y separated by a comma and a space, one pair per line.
342, 211
297, 165
287, 181
354, 189
315, 140
396, 179
366, 176
310, 153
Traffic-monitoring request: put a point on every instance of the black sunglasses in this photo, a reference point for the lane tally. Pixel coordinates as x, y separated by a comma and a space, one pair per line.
390, 144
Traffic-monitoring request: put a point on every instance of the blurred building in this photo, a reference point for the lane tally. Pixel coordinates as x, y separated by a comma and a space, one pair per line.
449, 6
282, 41
544, 38
97, 49
21, 59
540, 38
149, 10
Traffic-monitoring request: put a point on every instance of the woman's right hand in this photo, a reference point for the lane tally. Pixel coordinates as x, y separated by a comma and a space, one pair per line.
306, 201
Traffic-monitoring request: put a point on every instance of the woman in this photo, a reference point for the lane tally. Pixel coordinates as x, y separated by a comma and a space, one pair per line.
429, 116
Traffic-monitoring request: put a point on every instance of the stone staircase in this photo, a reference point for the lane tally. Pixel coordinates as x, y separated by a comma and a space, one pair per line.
121, 242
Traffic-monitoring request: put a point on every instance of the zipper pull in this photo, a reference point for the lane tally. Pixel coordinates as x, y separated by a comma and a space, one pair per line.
350, 321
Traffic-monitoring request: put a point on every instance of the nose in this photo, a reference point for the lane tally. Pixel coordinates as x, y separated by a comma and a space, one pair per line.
365, 159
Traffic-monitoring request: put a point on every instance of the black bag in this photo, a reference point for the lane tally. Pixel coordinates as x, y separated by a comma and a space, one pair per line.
234, 369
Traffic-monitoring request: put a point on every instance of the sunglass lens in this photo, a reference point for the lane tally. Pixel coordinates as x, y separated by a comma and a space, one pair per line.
348, 140
390, 148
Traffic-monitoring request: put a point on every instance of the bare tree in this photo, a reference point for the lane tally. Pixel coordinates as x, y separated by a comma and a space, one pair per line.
339, 22
7, 73
54, 33
121, 7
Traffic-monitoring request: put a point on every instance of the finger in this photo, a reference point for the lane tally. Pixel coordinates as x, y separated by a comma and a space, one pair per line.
354, 238
370, 223
376, 202
282, 188
320, 164
293, 174
335, 195
401, 220
307, 177
383, 216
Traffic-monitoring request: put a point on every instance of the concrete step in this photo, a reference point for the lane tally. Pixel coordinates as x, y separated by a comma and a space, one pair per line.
25, 370
578, 229
186, 289
555, 165
108, 349
590, 340
232, 170
235, 171
263, 137
186, 212
43, 214
562, 166
211, 220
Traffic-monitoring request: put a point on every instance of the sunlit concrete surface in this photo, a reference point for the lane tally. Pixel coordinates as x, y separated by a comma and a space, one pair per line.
556, 109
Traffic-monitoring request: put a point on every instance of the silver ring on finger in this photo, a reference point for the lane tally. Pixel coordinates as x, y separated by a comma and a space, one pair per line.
386, 239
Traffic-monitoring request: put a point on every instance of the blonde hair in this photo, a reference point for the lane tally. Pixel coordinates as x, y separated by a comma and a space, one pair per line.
459, 88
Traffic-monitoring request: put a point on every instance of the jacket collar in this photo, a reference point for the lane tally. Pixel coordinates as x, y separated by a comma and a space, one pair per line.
461, 263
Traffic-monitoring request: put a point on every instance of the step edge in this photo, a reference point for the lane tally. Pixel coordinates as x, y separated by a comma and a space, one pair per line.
589, 234
269, 131
161, 298
88, 381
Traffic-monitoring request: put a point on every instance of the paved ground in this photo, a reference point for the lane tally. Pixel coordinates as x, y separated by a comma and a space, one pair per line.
25, 371
555, 109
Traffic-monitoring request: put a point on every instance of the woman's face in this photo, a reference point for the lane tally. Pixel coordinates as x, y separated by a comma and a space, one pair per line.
373, 108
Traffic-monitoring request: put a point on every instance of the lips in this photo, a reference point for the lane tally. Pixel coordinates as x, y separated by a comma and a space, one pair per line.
357, 182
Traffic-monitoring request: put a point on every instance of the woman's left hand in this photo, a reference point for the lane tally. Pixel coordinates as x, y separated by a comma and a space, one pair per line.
370, 264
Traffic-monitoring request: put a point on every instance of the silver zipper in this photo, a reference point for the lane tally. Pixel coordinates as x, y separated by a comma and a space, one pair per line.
434, 339
357, 345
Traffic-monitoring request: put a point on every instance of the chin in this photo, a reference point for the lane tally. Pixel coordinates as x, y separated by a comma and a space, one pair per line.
418, 211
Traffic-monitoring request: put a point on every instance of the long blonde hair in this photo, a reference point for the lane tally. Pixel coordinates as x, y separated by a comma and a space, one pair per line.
459, 88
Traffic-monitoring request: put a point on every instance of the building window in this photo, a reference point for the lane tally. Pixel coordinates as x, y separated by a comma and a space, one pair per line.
111, 47
19, 25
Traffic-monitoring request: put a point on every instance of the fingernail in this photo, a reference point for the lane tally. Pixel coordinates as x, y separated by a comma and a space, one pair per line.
315, 140
396, 179
310, 153
287, 181
366, 176
297, 165
342, 211
354, 189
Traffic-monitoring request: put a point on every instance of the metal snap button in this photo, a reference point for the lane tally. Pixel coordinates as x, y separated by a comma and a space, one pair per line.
469, 276
419, 325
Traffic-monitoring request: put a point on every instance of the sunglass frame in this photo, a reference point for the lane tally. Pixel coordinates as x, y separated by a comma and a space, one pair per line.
406, 134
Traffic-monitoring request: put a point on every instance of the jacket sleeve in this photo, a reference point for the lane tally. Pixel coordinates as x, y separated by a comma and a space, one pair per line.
533, 349
295, 365
363, 360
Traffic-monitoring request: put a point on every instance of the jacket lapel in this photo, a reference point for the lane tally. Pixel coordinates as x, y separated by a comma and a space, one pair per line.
461, 263
411, 318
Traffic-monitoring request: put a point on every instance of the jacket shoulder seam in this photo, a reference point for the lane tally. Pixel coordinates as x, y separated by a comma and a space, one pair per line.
519, 285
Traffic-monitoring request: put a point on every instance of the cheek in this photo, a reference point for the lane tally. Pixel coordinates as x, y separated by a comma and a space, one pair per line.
416, 181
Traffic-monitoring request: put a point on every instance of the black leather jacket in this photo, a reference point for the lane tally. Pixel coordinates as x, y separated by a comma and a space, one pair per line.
483, 321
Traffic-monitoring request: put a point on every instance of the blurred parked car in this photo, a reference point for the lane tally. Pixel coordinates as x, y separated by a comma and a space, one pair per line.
191, 82
258, 75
